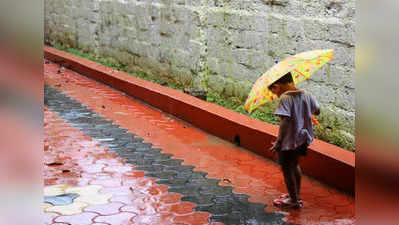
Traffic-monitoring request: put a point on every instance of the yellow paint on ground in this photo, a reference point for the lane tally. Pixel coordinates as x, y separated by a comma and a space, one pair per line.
67, 210
55, 190
97, 199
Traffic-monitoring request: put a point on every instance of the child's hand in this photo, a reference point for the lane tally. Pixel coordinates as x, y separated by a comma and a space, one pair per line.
276, 147
315, 121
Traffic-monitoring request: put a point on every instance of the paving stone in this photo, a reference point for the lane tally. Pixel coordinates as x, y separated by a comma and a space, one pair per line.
81, 219
161, 174
172, 162
118, 219
203, 201
183, 208
150, 168
180, 169
175, 182
108, 209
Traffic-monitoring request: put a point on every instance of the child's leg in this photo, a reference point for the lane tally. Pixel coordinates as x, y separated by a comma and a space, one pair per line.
290, 179
298, 176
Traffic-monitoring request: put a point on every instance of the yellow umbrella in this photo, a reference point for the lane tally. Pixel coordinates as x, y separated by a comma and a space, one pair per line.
301, 66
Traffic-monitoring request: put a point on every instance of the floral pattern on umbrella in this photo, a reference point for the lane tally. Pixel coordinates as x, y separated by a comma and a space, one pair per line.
301, 66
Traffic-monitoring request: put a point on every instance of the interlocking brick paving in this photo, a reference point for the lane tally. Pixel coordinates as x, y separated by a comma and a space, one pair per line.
224, 205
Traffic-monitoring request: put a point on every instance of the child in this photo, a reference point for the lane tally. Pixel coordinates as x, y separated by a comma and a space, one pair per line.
295, 110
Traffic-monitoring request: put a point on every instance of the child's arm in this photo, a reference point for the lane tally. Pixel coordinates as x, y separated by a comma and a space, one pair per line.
315, 106
284, 122
283, 111
317, 110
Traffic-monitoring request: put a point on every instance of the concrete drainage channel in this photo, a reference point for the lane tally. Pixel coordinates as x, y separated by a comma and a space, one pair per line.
224, 205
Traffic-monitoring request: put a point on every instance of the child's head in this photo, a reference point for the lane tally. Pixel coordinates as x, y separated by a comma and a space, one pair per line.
281, 85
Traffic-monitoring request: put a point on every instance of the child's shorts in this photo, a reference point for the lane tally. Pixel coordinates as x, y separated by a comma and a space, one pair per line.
285, 157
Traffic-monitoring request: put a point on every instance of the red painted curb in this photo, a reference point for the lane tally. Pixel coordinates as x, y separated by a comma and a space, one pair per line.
325, 162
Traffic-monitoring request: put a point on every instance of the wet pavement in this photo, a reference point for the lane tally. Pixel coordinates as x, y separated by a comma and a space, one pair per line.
124, 162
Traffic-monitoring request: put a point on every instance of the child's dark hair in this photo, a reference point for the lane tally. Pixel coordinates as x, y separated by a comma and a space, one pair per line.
286, 79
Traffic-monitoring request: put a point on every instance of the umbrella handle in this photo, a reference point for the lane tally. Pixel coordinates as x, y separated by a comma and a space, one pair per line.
315, 121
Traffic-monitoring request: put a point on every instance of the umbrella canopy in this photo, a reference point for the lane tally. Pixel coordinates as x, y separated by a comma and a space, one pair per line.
301, 66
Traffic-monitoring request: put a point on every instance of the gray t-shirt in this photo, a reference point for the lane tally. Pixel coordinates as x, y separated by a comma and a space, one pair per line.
299, 107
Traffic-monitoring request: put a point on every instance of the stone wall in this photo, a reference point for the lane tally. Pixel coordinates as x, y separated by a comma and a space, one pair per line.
224, 45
